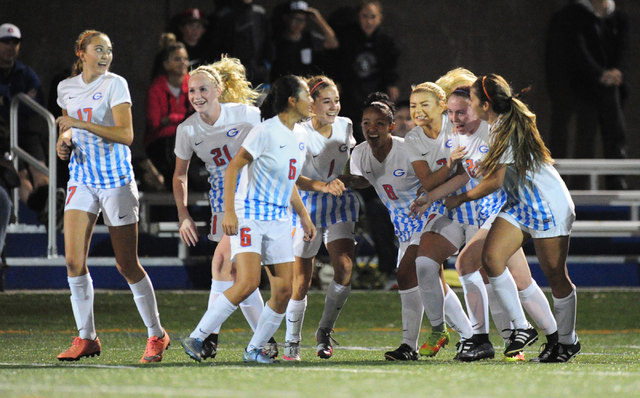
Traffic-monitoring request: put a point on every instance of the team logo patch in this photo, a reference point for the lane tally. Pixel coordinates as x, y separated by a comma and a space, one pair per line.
483, 148
97, 96
301, 146
343, 148
399, 172
232, 132
449, 144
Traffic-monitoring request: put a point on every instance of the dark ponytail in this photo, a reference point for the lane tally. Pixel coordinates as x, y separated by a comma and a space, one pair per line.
277, 101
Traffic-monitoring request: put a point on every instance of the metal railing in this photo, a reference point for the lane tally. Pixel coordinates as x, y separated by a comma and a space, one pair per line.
597, 167
19, 153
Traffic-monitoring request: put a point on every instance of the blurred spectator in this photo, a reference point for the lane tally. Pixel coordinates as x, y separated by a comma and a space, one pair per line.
189, 28
16, 78
403, 120
167, 106
366, 61
585, 55
241, 29
298, 50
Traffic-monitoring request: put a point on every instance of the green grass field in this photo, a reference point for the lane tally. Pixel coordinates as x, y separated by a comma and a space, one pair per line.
36, 326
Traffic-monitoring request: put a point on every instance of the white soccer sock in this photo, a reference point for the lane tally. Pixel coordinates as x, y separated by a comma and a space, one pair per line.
565, 311
267, 327
294, 319
505, 288
475, 297
499, 315
431, 290
82, 305
252, 307
537, 306
412, 310
217, 288
215, 316
334, 301
145, 299
455, 315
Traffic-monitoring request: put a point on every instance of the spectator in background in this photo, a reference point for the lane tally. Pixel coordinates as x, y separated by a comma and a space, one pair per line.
586, 49
241, 30
298, 50
189, 28
16, 78
367, 61
167, 106
403, 120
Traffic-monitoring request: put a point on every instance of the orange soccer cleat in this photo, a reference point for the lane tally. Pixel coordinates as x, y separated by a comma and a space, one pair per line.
155, 348
81, 348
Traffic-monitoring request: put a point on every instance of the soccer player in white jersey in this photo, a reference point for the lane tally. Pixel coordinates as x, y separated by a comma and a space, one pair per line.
96, 131
214, 133
382, 162
471, 140
329, 139
256, 216
538, 207
429, 146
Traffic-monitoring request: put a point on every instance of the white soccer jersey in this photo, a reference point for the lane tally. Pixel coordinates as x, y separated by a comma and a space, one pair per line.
395, 183
326, 159
477, 146
216, 144
95, 161
436, 152
266, 184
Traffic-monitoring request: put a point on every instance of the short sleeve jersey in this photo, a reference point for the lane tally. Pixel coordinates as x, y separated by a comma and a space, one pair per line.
394, 181
326, 159
96, 161
216, 144
266, 184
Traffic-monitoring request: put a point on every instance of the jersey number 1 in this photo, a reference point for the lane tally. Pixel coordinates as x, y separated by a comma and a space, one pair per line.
218, 153
86, 111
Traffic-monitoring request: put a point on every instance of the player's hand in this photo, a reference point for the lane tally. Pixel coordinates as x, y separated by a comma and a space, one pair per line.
188, 231
456, 155
420, 205
452, 202
66, 122
64, 144
230, 223
334, 187
308, 228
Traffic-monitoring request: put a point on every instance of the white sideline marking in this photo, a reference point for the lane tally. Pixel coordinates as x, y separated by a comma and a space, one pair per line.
132, 390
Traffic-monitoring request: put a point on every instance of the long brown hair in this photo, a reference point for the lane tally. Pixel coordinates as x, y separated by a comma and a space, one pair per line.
81, 44
516, 128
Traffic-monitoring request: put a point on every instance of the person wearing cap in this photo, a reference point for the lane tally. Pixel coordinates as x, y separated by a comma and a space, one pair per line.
190, 27
298, 50
16, 78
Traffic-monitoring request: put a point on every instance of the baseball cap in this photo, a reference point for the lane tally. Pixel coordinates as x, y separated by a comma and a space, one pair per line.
9, 31
298, 6
192, 14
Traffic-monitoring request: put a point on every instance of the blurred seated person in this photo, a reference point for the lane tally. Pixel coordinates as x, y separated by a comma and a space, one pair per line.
167, 106
17, 78
189, 28
403, 120
298, 50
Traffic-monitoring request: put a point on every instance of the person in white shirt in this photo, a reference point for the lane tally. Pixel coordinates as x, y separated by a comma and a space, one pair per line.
95, 133
333, 211
538, 207
222, 98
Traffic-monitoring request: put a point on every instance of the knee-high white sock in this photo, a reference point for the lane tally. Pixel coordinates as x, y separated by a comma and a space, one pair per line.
505, 288
267, 327
475, 296
252, 307
565, 312
217, 288
499, 315
145, 299
537, 306
334, 301
294, 319
431, 290
455, 315
412, 310
215, 316
82, 305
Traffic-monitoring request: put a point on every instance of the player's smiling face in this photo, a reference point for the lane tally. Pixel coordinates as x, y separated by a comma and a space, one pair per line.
376, 127
461, 115
425, 108
203, 93
97, 57
326, 105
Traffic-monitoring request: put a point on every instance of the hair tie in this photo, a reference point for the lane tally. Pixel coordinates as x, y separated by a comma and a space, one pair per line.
87, 33
462, 91
316, 86
380, 103
485, 89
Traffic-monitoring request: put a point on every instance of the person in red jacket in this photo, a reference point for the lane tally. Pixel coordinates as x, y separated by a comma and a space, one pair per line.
167, 106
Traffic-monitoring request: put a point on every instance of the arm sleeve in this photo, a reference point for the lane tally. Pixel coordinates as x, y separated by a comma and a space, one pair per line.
183, 148
256, 141
119, 92
355, 164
